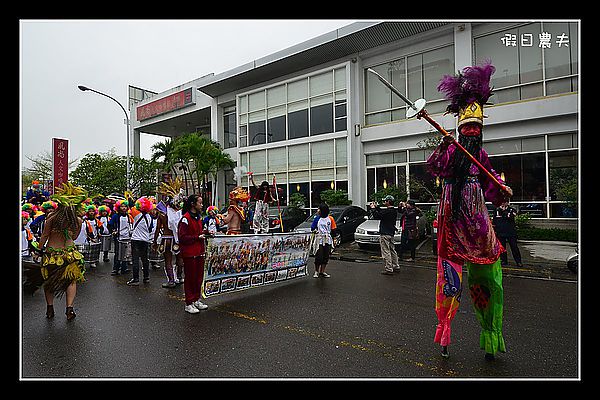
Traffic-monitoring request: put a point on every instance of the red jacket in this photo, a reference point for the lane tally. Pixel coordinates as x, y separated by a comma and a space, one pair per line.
188, 231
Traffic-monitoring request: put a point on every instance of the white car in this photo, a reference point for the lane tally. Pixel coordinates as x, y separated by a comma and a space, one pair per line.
367, 233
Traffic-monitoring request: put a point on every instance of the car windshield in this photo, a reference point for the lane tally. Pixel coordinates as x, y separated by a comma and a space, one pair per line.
335, 214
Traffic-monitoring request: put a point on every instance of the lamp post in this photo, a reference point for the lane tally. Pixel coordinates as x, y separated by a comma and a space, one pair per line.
84, 89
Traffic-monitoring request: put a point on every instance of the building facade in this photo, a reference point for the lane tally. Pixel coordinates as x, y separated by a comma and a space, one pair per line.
313, 117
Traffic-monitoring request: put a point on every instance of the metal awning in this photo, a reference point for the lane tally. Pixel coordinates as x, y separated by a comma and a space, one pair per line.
331, 46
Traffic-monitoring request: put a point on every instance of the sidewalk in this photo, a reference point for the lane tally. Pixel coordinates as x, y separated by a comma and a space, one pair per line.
542, 259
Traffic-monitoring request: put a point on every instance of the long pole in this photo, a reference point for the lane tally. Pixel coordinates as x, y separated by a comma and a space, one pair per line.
83, 89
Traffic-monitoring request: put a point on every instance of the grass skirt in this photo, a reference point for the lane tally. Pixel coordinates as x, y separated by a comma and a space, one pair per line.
59, 268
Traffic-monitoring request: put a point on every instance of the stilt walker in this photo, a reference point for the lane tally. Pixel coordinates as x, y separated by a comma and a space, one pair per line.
466, 236
465, 233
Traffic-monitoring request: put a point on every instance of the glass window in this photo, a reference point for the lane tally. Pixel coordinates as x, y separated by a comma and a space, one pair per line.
340, 78
321, 154
276, 96
297, 90
229, 128
298, 124
321, 119
256, 101
379, 159
561, 141
257, 133
378, 96
561, 61
298, 157
257, 163
322, 175
563, 176
503, 147
422, 185
524, 173
370, 183
321, 84
436, 63
386, 177
316, 189
277, 160
341, 157
276, 128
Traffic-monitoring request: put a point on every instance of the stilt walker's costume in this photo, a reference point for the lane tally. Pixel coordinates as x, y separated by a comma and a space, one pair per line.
465, 233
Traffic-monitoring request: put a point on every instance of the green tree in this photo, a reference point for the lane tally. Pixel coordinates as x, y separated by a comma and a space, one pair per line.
105, 173
399, 194
40, 169
335, 197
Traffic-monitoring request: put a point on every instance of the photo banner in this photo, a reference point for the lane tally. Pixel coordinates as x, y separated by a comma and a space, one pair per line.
239, 262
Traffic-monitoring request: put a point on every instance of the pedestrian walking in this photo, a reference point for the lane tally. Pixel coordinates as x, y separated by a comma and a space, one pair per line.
408, 222
62, 264
140, 239
191, 239
322, 226
387, 217
466, 236
506, 230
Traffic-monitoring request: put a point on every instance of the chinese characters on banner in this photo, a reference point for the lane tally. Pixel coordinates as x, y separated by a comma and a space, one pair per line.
60, 161
237, 262
544, 40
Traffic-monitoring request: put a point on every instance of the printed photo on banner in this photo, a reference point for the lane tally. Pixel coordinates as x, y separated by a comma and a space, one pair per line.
237, 262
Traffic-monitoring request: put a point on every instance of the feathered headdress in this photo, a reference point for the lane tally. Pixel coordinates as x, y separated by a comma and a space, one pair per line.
468, 92
173, 190
70, 195
239, 193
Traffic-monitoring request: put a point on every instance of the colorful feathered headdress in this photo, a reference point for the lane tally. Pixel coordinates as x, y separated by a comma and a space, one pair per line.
69, 195
239, 193
468, 92
173, 190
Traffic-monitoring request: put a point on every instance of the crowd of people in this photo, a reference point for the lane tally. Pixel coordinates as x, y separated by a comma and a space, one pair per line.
58, 229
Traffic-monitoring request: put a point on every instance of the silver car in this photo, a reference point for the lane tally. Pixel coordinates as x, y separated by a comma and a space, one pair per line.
367, 233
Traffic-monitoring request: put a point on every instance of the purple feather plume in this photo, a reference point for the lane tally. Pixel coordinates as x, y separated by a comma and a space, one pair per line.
472, 84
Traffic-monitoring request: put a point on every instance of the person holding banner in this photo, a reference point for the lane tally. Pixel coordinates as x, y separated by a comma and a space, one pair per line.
466, 236
263, 197
191, 241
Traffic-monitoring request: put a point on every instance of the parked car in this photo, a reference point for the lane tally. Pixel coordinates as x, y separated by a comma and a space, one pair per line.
367, 233
291, 217
573, 261
347, 219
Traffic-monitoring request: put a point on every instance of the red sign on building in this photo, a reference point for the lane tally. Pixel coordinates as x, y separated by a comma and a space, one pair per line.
172, 102
60, 161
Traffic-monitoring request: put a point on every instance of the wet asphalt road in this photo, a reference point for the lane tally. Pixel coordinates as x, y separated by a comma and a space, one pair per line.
358, 324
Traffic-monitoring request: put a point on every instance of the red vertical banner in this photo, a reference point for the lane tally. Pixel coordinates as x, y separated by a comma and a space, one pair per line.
60, 161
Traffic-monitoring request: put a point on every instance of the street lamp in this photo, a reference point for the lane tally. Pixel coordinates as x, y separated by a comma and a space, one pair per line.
83, 89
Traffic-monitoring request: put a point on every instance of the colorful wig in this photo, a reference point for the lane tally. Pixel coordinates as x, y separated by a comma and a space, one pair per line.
213, 209
118, 204
49, 205
25, 215
90, 207
143, 204
104, 207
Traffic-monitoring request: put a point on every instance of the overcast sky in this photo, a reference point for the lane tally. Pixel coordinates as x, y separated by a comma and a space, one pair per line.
109, 55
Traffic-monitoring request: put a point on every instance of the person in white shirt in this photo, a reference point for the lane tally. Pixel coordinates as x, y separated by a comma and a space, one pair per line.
120, 226
140, 239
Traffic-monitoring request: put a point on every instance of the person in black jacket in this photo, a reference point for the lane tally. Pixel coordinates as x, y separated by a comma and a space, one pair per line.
410, 212
387, 229
505, 227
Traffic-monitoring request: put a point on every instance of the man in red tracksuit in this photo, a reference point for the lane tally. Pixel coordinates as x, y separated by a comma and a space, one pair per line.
191, 243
